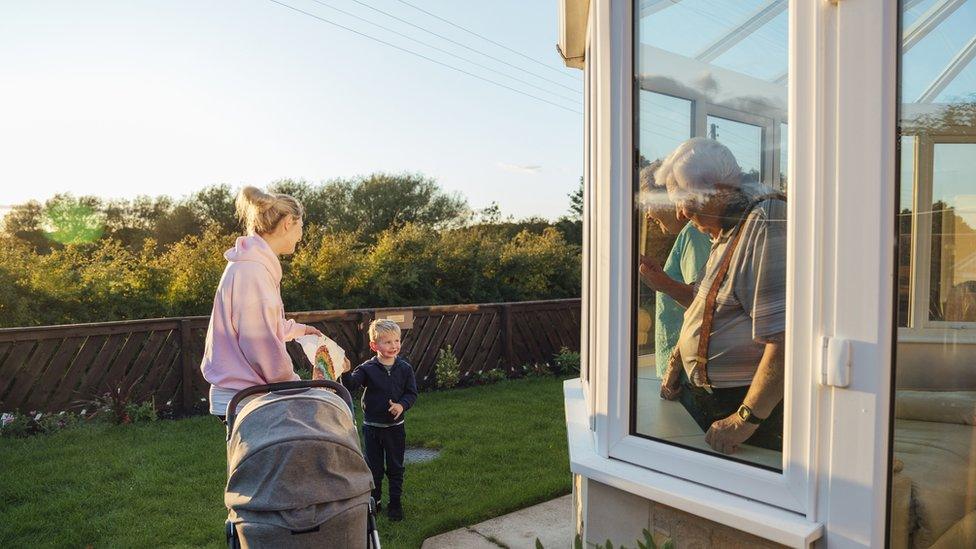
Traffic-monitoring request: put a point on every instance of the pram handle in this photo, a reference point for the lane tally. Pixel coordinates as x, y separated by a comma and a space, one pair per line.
283, 386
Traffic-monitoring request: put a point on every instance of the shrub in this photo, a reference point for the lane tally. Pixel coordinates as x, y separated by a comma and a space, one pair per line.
493, 375
16, 424
565, 362
142, 413
447, 371
119, 406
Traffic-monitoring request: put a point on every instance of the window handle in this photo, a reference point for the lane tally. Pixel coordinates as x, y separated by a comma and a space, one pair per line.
835, 366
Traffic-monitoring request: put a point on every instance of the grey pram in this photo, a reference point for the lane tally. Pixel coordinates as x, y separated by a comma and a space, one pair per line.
296, 476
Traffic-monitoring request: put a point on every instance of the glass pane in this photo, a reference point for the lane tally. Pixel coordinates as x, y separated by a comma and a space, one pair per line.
744, 140
784, 160
953, 273
933, 476
666, 123
708, 111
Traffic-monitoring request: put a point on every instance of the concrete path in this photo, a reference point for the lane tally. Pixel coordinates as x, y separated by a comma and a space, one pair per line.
551, 522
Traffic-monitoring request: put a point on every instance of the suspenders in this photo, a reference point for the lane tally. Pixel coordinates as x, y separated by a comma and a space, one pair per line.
699, 374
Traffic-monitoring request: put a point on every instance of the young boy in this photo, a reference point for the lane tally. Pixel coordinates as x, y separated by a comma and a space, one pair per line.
390, 390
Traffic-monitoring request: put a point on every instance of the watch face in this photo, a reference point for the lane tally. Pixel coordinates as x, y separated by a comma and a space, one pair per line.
745, 413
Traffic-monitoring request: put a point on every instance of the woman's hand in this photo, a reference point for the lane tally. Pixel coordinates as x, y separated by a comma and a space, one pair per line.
652, 273
312, 331
346, 366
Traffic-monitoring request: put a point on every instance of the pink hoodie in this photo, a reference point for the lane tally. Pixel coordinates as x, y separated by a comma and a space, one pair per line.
246, 338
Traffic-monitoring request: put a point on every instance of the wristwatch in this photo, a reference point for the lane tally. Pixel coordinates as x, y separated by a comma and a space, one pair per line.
746, 414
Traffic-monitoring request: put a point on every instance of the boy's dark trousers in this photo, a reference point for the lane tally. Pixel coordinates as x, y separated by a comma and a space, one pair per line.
385, 446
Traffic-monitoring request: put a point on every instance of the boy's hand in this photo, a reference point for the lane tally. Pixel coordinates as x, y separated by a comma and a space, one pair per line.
312, 331
396, 409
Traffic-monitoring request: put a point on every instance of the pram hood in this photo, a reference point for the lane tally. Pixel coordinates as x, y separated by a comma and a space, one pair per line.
297, 455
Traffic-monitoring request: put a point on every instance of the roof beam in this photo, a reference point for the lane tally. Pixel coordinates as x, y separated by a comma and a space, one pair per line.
650, 7
928, 21
763, 15
952, 70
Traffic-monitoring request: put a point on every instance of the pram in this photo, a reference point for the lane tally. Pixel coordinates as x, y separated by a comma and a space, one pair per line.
296, 476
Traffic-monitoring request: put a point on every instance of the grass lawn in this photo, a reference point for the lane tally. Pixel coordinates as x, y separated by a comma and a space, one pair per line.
503, 447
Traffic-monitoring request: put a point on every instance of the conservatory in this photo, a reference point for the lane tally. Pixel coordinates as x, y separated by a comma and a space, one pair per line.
779, 270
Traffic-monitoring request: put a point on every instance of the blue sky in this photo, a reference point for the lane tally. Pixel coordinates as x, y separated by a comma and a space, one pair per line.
128, 97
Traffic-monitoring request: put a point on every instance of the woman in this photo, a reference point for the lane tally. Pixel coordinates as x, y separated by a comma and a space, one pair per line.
246, 338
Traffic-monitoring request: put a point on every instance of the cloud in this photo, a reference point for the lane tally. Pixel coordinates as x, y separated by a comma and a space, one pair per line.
519, 169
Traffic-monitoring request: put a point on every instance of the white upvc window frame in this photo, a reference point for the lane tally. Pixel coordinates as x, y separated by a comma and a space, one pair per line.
835, 441
791, 489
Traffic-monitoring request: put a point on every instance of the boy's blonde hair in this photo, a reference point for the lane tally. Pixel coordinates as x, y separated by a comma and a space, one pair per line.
260, 212
380, 327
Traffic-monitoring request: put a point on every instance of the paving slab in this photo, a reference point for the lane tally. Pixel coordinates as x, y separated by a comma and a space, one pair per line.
551, 522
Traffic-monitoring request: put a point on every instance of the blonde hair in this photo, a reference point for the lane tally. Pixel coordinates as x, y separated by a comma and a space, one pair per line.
380, 327
260, 212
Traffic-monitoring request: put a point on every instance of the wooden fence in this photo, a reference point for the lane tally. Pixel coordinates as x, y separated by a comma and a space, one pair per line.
53, 368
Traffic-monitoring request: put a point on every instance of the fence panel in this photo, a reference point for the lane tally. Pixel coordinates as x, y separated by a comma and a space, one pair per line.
52, 368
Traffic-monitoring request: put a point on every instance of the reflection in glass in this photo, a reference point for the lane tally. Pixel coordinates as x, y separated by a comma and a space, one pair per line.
745, 142
710, 132
784, 159
953, 273
933, 476
906, 229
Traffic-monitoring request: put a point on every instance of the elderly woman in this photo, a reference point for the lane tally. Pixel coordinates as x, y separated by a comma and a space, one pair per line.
681, 266
727, 367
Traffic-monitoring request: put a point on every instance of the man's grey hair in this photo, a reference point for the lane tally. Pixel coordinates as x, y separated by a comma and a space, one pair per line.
697, 167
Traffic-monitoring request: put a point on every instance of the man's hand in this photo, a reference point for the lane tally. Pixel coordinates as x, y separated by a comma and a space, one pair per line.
396, 409
312, 331
725, 435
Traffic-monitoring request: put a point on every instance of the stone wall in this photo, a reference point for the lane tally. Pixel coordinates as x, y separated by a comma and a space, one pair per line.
605, 513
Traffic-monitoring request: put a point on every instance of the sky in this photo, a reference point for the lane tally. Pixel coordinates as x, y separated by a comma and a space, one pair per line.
119, 98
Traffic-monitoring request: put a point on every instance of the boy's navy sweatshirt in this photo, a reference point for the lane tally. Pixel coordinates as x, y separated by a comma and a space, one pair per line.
397, 384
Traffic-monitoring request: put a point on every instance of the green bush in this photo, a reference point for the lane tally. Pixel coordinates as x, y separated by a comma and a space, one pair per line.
378, 241
565, 362
16, 424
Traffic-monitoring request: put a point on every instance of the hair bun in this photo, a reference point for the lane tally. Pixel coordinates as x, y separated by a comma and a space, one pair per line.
260, 212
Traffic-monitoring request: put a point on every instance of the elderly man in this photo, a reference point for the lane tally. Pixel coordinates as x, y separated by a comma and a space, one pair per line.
727, 368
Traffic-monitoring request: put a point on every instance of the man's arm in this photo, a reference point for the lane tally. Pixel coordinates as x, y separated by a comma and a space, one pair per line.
766, 390
765, 393
656, 279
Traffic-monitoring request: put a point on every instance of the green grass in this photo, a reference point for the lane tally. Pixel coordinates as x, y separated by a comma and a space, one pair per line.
503, 447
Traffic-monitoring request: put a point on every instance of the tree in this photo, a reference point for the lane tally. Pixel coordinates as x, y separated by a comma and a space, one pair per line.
178, 223
381, 201
23, 222
72, 220
214, 205
576, 202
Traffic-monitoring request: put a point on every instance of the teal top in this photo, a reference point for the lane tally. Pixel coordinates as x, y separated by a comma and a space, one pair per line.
686, 259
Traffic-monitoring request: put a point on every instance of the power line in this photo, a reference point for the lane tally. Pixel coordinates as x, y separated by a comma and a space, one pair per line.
465, 46
500, 45
422, 56
465, 59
